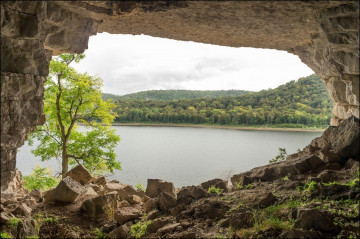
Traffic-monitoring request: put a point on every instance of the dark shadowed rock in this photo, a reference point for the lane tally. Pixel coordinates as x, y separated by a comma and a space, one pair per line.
301, 234
217, 182
156, 186
66, 191
313, 219
102, 206
241, 220
165, 201
80, 174
193, 192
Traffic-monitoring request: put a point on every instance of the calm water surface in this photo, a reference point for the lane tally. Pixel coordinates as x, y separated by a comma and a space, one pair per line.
186, 156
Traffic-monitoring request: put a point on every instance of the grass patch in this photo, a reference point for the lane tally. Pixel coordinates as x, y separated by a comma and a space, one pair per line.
140, 187
14, 222
5, 235
214, 190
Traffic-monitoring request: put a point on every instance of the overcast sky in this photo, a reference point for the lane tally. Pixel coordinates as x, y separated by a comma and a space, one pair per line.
130, 64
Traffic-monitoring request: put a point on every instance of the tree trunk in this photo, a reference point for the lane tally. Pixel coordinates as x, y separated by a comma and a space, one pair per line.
65, 161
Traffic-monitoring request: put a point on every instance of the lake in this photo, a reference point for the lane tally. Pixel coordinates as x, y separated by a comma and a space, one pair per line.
184, 155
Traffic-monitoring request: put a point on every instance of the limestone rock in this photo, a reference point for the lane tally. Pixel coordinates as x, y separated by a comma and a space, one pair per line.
66, 191
37, 194
165, 201
267, 200
313, 219
170, 228
158, 223
22, 210
156, 186
102, 206
80, 174
126, 214
119, 232
100, 181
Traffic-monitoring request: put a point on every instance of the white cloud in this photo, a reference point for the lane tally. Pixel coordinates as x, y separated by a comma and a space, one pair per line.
130, 63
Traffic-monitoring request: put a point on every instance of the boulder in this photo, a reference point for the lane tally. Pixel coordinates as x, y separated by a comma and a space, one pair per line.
267, 200
119, 232
241, 220
100, 181
327, 176
217, 182
37, 194
170, 228
313, 219
102, 206
27, 228
193, 192
111, 187
80, 174
165, 202
126, 214
156, 186
150, 205
158, 223
22, 210
66, 191
301, 234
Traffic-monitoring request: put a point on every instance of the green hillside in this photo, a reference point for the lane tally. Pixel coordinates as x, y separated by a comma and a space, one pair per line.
168, 95
301, 103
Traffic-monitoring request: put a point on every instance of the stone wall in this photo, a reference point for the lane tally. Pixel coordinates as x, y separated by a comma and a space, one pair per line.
324, 34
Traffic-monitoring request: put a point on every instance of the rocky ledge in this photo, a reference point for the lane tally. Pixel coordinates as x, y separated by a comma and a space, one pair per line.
312, 194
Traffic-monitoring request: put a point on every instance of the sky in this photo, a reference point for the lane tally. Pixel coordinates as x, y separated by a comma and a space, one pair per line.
133, 63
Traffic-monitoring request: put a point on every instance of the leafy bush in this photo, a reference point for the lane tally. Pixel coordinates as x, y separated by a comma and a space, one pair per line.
140, 187
99, 233
14, 222
139, 229
40, 178
280, 157
5, 235
214, 190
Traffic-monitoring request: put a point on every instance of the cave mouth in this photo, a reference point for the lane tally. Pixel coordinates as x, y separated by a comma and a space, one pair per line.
323, 34
201, 61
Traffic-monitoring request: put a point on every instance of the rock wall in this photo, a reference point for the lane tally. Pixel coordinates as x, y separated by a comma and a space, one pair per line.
324, 34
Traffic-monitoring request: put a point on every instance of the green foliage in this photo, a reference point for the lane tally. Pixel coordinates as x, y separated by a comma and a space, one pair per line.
139, 229
305, 102
308, 188
140, 187
354, 183
99, 234
286, 178
72, 98
5, 235
13, 222
214, 190
40, 178
280, 157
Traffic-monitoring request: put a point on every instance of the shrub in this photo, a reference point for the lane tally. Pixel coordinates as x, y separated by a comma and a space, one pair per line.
14, 222
5, 235
214, 190
140, 187
139, 229
40, 178
280, 157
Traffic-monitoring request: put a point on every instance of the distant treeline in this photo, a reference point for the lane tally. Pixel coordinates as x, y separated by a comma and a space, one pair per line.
301, 103
176, 94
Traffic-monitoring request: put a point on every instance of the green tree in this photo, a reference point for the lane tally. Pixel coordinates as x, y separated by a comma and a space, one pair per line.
72, 98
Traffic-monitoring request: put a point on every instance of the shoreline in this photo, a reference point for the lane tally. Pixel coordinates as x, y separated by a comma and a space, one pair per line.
220, 127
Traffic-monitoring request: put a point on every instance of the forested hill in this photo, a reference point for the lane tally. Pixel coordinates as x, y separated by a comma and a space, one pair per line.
168, 95
301, 103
